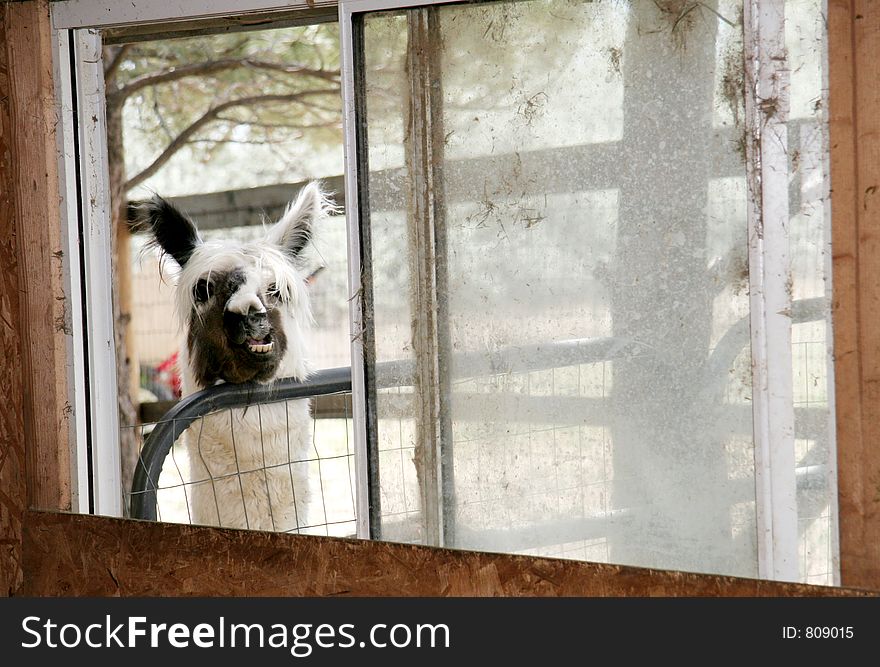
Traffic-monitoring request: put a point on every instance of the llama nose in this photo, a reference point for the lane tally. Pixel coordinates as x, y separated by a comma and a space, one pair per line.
258, 320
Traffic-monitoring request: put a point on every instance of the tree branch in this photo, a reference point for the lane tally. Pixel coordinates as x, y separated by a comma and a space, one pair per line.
279, 126
214, 142
184, 136
318, 107
111, 68
209, 67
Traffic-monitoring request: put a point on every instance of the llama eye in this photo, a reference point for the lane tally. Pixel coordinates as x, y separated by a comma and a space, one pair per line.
201, 291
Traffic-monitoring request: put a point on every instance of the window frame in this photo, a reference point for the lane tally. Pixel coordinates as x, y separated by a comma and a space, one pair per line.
86, 219
79, 22
770, 299
85, 214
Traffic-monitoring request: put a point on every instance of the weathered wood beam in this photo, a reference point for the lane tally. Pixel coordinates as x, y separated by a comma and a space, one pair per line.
77, 555
854, 118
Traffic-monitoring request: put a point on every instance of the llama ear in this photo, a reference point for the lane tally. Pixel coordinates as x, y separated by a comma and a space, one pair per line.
294, 230
172, 231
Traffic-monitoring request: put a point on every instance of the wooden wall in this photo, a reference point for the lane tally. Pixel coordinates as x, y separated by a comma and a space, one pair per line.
84, 555
42, 318
854, 54
12, 450
48, 554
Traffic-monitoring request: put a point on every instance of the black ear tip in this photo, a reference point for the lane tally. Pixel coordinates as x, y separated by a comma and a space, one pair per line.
171, 230
145, 214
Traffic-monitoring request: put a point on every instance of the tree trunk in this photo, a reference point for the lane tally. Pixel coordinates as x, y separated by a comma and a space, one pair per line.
127, 367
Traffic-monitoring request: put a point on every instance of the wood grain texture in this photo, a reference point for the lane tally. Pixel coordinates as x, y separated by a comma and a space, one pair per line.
77, 555
12, 475
42, 316
86, 555
854, 117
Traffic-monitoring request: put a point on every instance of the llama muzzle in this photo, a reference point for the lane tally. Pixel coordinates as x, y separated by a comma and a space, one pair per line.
252, 330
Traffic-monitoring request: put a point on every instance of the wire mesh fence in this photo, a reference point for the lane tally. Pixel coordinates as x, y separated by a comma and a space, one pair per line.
535, 467
252, 457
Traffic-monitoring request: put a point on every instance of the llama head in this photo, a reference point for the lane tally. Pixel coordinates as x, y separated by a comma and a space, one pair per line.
244, 306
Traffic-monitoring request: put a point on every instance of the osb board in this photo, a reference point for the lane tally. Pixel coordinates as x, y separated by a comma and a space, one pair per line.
12, 481
42, 316
854, 101
79, 555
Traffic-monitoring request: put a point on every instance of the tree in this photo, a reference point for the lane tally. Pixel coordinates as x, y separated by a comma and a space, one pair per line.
199, 94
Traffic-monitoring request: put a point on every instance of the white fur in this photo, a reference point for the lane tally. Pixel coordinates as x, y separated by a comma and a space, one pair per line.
240, 466
247, 466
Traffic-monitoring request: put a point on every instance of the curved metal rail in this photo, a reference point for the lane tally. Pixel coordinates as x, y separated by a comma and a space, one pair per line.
178, 419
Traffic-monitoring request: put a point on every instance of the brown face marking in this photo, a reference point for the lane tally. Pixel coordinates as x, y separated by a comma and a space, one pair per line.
216, 339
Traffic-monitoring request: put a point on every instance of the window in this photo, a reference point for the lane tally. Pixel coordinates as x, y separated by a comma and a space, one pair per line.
573, 215
588, 247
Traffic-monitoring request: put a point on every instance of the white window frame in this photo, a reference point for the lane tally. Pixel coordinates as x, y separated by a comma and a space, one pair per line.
94, 364
85, 215
770, 267
85, 200
770, 300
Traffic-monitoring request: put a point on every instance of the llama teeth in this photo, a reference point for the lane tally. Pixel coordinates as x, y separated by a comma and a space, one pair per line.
261, 348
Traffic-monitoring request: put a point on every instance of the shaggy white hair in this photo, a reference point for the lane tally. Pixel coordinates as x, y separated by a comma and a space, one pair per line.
248, 466
265, 263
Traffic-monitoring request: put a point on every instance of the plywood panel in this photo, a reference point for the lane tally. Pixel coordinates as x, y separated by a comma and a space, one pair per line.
84, 555
854, 42
867, 151
42, 318
12, 481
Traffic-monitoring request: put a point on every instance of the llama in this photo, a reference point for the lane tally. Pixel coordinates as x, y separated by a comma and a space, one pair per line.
244, 309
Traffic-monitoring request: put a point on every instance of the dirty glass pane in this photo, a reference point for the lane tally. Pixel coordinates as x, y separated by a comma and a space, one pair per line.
578, 335
392, 301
